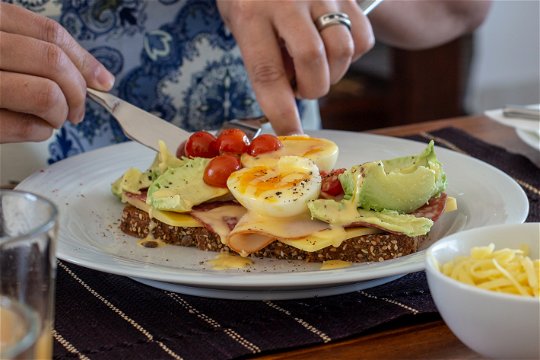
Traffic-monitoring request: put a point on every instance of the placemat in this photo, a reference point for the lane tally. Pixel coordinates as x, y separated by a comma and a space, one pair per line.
104, 316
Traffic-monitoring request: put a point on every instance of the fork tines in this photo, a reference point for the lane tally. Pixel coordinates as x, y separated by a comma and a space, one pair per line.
252, 126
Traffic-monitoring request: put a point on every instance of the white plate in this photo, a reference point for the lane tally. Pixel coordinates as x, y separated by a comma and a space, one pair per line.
89, 233
527, 130
530, 138
523, 124
267, 293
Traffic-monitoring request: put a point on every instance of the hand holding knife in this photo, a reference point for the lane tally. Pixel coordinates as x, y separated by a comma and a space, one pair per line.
148, 129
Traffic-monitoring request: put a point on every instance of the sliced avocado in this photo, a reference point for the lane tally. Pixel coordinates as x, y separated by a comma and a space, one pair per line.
402, 184
182, 187
381, 193
165, 159
345, 212
133, 180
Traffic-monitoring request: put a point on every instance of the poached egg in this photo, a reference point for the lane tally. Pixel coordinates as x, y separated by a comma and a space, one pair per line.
277, 189
322, 152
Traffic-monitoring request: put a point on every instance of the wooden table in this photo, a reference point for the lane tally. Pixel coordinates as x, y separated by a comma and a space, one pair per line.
479, 126
425, 340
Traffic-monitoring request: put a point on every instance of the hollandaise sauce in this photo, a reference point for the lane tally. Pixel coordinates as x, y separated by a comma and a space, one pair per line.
225, 261
335, 264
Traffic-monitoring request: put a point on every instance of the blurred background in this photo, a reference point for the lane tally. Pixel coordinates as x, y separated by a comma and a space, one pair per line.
496, 66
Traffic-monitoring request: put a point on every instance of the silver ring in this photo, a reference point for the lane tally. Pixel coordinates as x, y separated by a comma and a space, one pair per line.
334, 18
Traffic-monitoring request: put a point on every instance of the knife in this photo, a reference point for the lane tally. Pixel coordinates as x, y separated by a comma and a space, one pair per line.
522, 112
139, 125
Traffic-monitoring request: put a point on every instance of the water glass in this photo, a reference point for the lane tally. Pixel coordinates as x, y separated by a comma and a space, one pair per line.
28, 231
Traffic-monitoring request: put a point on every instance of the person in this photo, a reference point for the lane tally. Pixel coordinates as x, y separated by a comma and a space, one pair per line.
195, 63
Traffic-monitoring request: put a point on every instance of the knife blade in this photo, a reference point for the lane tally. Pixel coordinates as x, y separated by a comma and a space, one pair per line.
522, 112
139, 125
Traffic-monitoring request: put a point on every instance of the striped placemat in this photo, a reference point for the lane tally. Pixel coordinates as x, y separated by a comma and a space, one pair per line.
104, 316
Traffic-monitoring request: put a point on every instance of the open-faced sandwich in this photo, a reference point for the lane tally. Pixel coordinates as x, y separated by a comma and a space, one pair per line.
280, 197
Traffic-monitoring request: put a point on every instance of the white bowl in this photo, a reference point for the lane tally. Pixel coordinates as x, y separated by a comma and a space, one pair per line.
493, 324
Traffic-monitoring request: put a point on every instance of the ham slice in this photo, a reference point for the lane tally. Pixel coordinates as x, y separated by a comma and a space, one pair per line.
140, 197
433, 209
219, 218
254, 232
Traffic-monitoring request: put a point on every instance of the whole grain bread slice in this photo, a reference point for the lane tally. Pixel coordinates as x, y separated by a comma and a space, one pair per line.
366, 248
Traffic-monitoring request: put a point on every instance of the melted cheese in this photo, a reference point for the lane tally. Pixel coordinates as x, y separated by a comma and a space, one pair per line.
254, 231
226, 261
335, 264
451, 204
331, 237
175, 219
214, 218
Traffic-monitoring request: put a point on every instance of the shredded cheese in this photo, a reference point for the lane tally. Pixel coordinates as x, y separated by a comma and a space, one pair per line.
506, 270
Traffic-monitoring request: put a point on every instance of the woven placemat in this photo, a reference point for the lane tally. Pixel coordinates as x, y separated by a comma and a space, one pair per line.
104, 316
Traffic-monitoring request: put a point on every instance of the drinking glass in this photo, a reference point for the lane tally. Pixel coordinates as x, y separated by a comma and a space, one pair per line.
28, 230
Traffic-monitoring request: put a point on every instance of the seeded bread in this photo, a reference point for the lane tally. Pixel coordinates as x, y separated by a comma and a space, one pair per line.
367, 248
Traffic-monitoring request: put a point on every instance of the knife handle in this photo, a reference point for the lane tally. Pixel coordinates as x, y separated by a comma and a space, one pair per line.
368, 5
102, 98
521, 112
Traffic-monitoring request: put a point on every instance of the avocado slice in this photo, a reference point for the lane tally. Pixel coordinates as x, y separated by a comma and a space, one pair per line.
345, 212
182, 187
382, 193
133, 180
402, 184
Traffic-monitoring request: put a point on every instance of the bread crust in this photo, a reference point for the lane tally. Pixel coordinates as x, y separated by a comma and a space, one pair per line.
366, 248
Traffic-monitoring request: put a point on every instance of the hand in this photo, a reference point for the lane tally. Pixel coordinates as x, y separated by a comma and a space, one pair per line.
44, 74
280, 44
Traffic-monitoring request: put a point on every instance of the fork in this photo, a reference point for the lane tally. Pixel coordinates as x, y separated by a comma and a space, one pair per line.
252, 127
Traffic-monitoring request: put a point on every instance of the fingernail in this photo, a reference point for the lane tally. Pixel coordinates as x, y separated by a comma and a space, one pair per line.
105, 79
77, 119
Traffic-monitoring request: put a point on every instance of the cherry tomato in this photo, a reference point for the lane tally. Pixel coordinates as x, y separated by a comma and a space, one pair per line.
264, 143
219, 168
232, 141
181, 150
201, 144
330, 182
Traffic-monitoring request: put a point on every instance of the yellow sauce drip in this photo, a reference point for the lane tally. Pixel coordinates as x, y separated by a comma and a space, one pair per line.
335, 264
225, 261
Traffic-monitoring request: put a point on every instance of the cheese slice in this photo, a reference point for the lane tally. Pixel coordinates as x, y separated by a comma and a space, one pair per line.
330, 237
215, 219
254, 231
175, 219
451, 204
